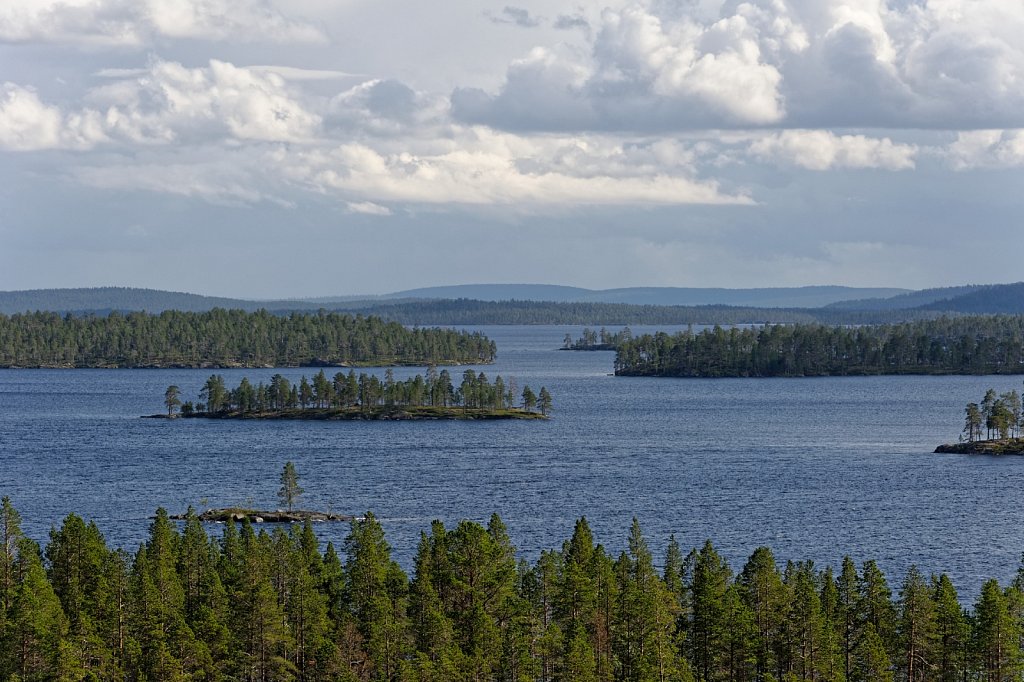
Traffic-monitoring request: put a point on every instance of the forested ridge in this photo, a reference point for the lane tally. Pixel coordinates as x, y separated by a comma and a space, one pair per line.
258, 605
228, 338
947, 345
466, 311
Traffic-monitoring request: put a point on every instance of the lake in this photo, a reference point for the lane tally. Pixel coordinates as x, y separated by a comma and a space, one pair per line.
814, 468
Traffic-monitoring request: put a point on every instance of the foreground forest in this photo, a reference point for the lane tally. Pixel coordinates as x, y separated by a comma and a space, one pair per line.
229, 338
991, 344
259, 605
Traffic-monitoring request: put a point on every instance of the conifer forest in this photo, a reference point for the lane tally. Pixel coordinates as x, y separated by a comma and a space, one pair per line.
257, 603
229, 338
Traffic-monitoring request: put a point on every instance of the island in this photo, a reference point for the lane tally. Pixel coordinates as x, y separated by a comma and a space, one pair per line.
239, 514
995, 446
228, 339
945, 345
366, 397
591, 340
1000, 417
289, 493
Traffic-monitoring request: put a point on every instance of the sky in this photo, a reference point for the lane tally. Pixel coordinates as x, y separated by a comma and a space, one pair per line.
272, 148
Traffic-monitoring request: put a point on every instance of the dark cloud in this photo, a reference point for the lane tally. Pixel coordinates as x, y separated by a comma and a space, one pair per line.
566, 22
516, 16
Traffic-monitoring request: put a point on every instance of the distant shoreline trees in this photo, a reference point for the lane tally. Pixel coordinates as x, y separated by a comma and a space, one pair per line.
599, 340
959, 345
230, 338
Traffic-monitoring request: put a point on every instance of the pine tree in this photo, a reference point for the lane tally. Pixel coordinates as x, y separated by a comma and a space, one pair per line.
529, 399
35, 625
952, 631
916, 628
544, 401
158, 599
78, 559
172, 399
997, 635
290, 491
762, 592
711, 577
376, 591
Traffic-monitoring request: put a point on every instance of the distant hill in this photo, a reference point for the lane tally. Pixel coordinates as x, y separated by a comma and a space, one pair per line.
829, 304
970, 299
774, 297
907, 301
103, 300
989, 299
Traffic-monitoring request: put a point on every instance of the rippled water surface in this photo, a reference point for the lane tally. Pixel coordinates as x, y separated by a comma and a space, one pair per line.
814, 468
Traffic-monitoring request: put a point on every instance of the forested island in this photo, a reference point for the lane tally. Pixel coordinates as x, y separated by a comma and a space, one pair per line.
991, 344
253, 605
346, 396
230, 338
1001, 418
600, 340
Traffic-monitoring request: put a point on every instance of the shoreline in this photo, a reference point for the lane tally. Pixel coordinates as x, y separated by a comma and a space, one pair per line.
381, 413
995, 446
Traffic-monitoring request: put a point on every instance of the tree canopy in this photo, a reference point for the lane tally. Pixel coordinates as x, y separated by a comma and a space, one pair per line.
959, 345
229, 338
270, 604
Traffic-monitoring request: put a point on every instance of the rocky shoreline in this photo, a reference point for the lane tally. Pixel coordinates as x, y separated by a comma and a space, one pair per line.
999, 446
262, 516
382, 413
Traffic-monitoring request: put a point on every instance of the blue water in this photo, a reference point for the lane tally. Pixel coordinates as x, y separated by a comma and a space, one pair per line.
814, 468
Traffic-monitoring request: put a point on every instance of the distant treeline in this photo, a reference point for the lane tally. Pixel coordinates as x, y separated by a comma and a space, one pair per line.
597, 340
228, 338
258, 605
958, 345
467, 311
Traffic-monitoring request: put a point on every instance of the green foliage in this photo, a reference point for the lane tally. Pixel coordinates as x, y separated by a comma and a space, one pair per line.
290, 491
228, 338
272, 606
364, 394
959, 345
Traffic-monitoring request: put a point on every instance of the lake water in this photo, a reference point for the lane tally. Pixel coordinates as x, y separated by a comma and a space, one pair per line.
814, 468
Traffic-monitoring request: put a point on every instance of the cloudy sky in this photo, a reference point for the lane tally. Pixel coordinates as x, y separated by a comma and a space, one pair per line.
264, 148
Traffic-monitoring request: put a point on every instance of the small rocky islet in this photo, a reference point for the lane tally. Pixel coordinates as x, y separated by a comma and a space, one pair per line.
240, 514
997, 414
995, 446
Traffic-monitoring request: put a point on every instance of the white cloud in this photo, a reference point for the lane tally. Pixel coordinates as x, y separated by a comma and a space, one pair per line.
644, 71
484, 168
823, 150
132, 23
368, 208
987, 149
656, 65
170, 102
164, 103
27, 124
